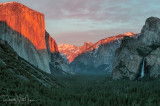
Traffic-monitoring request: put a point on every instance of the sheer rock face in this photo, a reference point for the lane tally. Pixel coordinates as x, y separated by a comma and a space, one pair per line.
25, 21
98, 58
24, 30
128, 59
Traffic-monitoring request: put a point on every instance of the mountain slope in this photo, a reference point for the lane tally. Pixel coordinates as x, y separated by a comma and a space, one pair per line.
13, 63
19, 77
98, 58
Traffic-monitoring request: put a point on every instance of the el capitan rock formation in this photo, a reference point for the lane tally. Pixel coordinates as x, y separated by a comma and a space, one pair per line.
24, 30
139, 57
25, 21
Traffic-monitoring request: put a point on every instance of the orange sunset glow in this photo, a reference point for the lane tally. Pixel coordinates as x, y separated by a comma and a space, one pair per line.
33, 27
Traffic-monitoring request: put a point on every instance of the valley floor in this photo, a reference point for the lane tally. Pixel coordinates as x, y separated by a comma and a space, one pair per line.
97, 90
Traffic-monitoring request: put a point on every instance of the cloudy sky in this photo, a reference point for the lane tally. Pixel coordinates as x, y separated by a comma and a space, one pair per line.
77, 21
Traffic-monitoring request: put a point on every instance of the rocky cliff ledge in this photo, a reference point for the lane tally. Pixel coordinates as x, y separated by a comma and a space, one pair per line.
139, 57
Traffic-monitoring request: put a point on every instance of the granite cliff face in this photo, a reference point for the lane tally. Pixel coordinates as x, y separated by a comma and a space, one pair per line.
98, 58
24, 30
139, 57
25, 21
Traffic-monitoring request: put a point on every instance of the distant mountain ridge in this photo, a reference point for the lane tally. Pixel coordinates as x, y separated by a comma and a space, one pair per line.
108, 40
72, 51
93, 58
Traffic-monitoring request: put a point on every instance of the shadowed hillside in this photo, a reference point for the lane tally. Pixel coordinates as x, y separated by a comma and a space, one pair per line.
18, 77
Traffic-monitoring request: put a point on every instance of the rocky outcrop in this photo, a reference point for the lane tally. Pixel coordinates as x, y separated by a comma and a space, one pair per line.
133, 52
24, 30
98, 58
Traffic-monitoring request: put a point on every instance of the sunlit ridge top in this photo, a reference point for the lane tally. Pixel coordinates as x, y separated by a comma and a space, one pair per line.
14, 3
